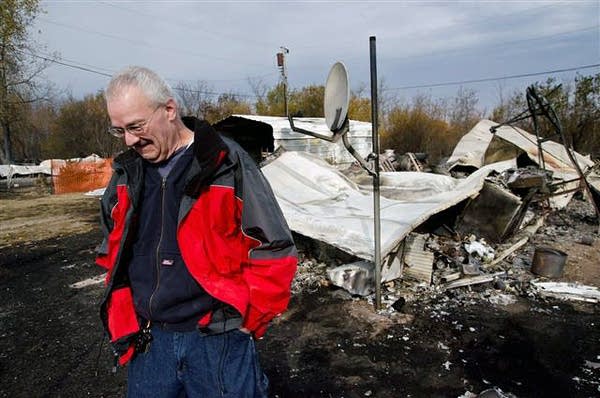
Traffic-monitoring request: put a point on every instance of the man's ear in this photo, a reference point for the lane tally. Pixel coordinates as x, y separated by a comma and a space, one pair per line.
171, 107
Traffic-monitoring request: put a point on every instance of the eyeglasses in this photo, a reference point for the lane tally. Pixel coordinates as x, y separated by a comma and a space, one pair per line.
135, 128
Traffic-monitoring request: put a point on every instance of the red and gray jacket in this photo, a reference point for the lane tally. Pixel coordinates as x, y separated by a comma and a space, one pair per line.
231, 233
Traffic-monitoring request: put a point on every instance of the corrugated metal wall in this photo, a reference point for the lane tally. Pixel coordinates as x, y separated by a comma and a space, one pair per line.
334, 153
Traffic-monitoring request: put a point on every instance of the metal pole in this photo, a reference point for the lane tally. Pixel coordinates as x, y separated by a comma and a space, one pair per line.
376, 207
283, 68
285, 101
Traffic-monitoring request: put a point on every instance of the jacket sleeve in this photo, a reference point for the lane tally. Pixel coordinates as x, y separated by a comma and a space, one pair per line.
113, 207
272, 260
106, 223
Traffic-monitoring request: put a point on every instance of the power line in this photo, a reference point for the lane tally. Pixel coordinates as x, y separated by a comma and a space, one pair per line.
489, 79
352, 60
195, 28
495, 45
97, 72
140, 42
150, 46
224, 80
444, 84
54, 60
461, 23
71, 61
143, 43
182, 89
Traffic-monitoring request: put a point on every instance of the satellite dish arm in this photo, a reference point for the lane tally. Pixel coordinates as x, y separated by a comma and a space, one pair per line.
365, 165
311, 133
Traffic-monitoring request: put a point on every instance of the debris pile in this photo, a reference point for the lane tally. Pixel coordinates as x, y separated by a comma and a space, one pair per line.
433, 265
481, 239
390, 161
310, 275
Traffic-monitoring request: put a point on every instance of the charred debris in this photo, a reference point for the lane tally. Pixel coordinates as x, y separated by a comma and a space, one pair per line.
480, 245
462, 225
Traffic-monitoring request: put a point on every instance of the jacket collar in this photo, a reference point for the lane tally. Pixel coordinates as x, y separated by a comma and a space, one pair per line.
210, 153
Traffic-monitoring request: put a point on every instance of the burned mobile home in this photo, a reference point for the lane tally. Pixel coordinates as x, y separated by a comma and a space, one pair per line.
261, 135
437, 229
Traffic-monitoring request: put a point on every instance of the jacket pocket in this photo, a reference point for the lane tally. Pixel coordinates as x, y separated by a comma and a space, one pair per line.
122, 320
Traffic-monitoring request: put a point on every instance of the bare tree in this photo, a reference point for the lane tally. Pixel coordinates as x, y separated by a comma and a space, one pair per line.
463, 112
19, 68
79, 129
194, 98
259, 89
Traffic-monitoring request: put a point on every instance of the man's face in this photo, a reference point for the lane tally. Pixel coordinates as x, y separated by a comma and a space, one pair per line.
150, 134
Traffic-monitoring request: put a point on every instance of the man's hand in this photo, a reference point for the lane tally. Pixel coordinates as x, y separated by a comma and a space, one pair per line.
244, 330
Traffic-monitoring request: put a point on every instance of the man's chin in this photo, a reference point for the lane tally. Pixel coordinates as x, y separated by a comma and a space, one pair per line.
147, 154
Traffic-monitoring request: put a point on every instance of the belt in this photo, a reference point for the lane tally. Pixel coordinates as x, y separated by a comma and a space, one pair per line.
223, 319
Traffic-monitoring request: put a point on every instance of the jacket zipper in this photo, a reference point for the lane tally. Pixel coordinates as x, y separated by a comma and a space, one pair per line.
162, 216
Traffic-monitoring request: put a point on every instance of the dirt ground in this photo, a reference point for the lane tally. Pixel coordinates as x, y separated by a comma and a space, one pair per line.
451, 343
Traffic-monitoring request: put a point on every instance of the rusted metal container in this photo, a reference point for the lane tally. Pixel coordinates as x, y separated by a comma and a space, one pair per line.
548, 262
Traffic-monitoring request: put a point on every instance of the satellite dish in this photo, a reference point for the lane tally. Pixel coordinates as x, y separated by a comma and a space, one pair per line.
337, 97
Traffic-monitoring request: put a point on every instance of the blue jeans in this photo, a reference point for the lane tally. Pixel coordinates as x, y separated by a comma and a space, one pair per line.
189, 364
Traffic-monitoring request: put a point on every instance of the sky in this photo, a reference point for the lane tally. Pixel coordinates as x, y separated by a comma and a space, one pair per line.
422, 47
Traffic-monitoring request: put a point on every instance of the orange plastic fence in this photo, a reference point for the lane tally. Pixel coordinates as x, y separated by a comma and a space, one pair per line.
72, 176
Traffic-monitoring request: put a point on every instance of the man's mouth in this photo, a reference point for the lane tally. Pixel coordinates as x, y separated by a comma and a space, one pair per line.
140, 144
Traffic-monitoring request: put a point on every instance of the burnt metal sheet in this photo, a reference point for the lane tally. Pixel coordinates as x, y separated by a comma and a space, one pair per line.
494, 214
417, 259
472, 149
321, 203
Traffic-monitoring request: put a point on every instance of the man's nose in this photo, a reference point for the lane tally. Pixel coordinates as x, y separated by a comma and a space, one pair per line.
131, 139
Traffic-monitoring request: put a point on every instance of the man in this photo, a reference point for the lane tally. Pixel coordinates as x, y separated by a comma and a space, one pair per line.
198, 254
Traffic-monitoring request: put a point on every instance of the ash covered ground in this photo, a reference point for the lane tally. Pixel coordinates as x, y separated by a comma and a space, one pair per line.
439, 343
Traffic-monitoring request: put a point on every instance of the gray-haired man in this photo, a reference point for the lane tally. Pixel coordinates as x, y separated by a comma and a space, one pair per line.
199, 256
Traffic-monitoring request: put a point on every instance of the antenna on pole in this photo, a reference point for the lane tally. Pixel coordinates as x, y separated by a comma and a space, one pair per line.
336, 103
283, 71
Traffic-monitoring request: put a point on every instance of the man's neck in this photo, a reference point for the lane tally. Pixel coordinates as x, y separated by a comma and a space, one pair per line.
183, 138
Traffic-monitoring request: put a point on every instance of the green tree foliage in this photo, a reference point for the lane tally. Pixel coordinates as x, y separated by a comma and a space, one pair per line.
359, 108
226, 105
583, 116
415, 128
18, 72
80, 129
305, 102
271, 104
577, 106
508, 106
308, 101
558, 96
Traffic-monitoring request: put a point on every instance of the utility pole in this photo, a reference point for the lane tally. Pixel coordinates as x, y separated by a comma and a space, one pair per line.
283, 71
376, 200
